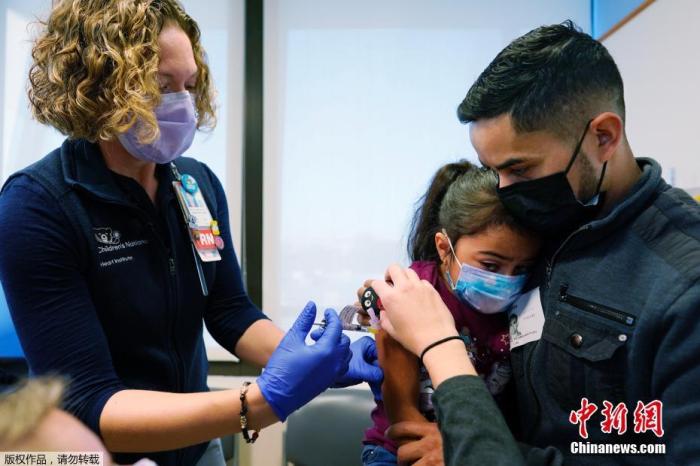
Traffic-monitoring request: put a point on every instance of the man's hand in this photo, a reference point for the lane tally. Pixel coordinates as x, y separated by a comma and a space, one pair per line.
420, 443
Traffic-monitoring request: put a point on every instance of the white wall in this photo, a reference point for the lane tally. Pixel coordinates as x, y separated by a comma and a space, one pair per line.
657, 55
23, 139
360, 110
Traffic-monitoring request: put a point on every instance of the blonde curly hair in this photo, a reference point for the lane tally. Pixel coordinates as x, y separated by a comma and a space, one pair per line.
95, 69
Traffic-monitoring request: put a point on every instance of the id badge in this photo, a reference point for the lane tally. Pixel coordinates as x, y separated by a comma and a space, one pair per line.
203, 229
526, 319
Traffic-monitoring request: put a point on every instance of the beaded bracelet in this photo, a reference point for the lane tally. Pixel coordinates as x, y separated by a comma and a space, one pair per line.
244, 419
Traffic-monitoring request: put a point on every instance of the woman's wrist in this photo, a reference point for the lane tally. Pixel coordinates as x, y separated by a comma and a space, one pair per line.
260, 413
447, 360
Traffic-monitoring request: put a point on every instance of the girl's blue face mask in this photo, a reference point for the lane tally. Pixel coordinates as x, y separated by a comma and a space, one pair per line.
485, 291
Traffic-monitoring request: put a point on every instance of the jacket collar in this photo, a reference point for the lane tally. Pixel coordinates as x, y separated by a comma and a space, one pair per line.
642, 194
84, 167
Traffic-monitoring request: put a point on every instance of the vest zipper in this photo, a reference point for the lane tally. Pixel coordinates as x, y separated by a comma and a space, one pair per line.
172, 291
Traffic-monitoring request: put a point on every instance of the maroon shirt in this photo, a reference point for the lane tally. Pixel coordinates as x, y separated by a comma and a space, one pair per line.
488, 350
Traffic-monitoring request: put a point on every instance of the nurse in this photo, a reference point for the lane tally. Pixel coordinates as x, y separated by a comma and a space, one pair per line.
115, 248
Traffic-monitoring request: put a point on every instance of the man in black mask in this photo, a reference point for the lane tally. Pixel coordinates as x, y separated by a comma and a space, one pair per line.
619, 292
527, 120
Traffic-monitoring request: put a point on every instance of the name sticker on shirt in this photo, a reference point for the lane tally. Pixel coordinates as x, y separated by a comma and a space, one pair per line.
526, 319
198, 218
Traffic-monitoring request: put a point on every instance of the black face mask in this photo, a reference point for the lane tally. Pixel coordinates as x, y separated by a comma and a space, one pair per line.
548, 205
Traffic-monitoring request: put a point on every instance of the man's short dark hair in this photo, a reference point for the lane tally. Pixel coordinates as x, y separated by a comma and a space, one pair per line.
553, 78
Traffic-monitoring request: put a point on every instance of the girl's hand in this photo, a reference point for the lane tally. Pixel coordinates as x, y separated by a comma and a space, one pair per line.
414, 313
420, 443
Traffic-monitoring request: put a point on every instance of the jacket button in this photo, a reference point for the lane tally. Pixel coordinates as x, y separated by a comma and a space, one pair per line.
576, 340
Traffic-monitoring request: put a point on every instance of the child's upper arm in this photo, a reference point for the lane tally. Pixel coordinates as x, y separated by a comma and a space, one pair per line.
401, 385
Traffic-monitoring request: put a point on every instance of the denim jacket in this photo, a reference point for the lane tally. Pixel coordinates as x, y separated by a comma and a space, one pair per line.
621, 300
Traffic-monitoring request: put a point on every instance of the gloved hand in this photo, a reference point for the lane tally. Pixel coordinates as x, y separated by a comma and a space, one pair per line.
364, 365
296, 372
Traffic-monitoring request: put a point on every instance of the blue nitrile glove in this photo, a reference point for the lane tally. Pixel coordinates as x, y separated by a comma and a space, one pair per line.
364, 365
297, 372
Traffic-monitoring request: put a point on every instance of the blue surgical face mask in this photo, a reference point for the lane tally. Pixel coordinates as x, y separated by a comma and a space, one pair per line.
177, 122
485, 291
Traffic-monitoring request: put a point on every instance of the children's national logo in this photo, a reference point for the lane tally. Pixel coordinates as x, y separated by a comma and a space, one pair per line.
105, 235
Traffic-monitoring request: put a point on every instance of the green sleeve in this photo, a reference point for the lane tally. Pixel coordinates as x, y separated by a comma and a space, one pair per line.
474, 431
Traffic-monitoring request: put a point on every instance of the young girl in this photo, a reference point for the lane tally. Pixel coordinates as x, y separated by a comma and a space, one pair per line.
470, 249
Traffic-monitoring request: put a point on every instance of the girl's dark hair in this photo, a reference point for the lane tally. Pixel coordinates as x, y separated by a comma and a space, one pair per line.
462, 198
